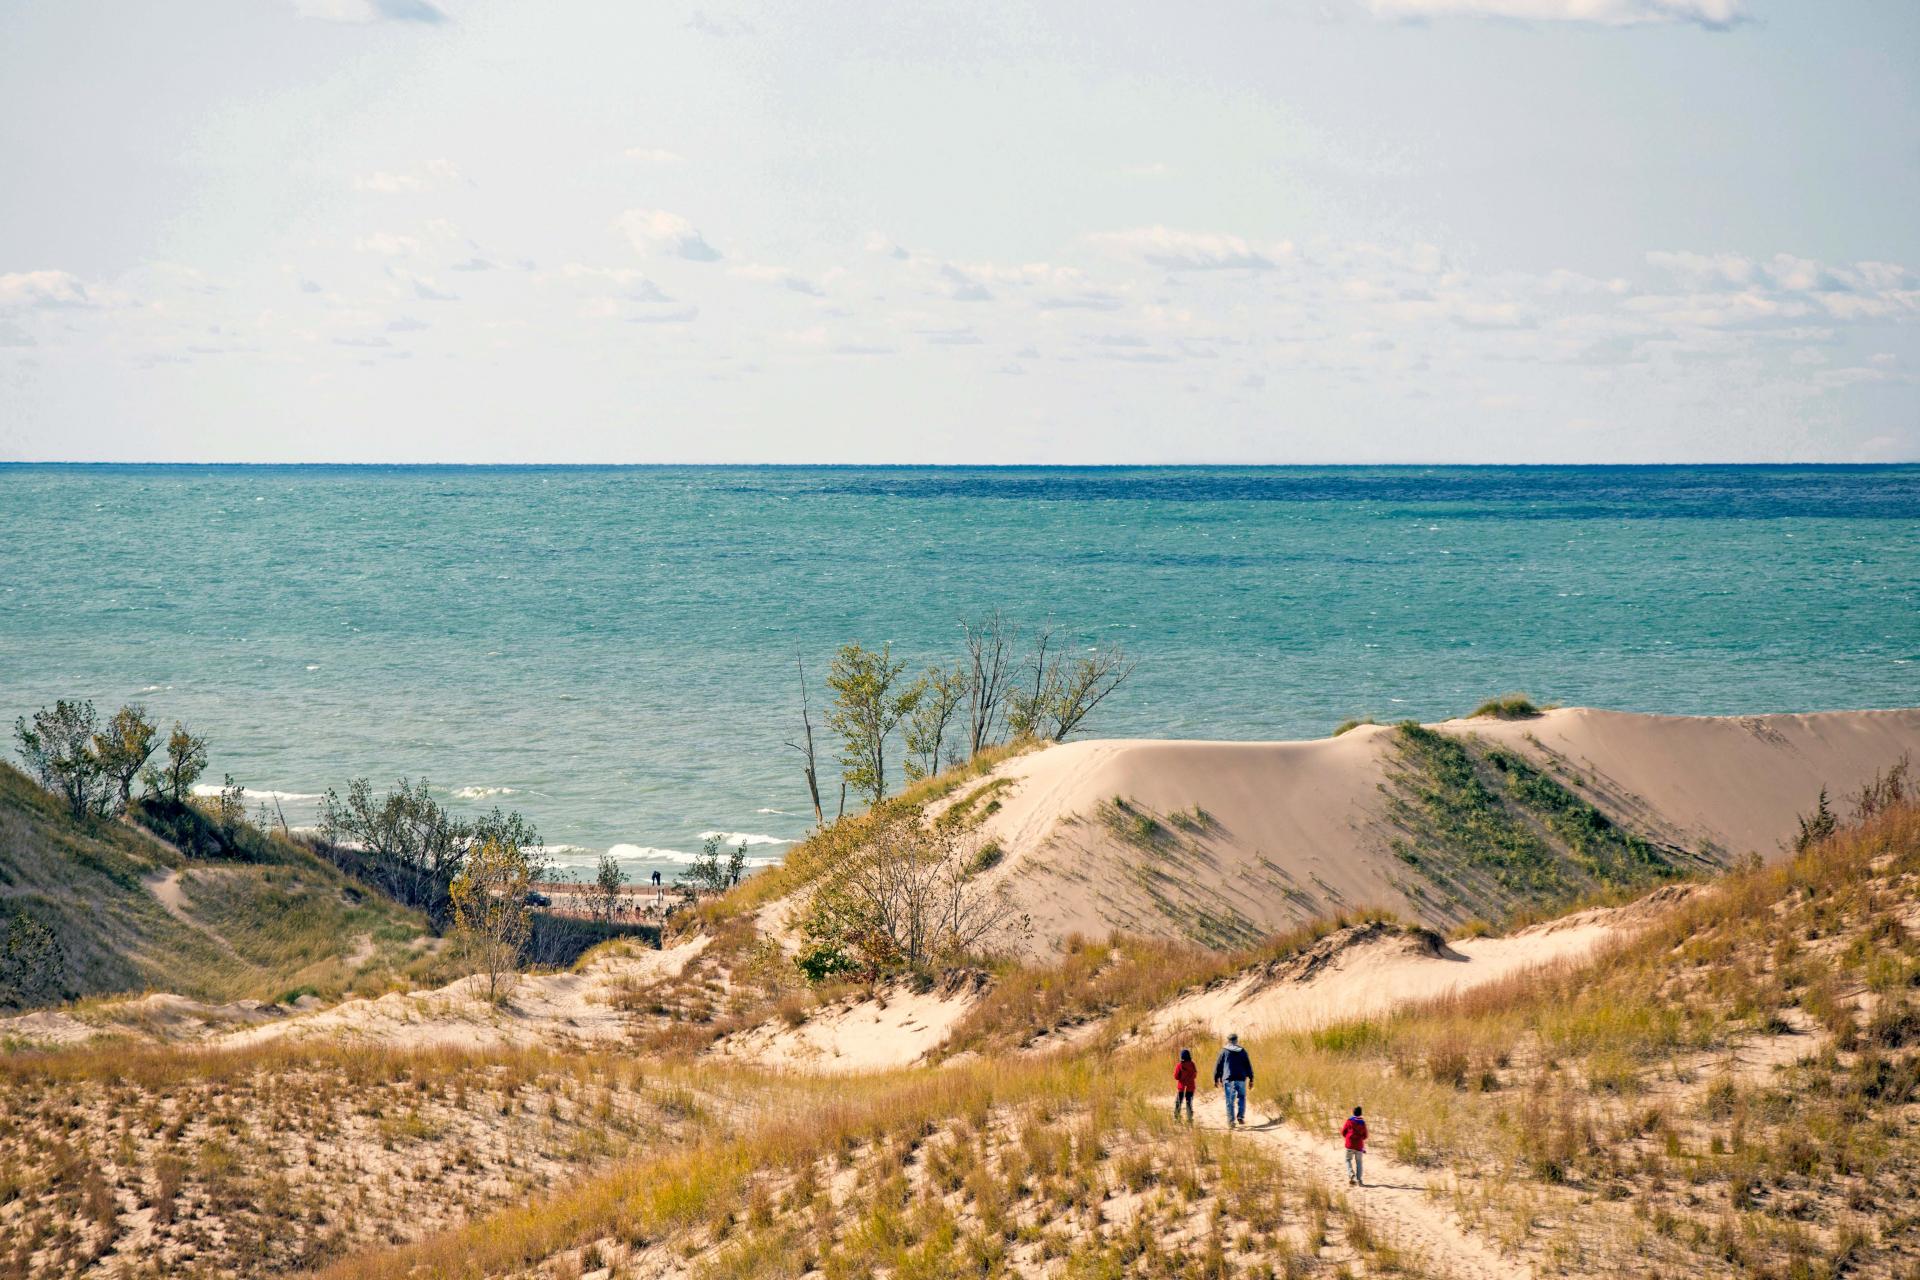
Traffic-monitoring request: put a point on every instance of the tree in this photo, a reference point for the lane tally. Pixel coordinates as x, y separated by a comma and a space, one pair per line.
709, 873
941, 691
608, 880
230, 806
59, 750
1083, 685
123, 749
32, 966
491, 918
186, 761
412, 846
904, 897
809, 764
1028, 708
989, 663
865, 711
1816, 826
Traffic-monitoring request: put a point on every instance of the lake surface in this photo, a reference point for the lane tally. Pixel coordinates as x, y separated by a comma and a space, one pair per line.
611, 650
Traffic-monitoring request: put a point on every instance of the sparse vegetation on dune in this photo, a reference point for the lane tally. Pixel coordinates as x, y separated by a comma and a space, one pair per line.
278, 919
151, 1162
1116, 982
1734, 1092
1490, 833
1509, 706
1025, 1168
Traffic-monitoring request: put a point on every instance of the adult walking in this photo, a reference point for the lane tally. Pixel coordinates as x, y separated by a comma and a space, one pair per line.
1354, 1134
1233, 1071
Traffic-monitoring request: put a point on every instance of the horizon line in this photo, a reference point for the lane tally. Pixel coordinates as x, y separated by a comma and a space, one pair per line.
958, 466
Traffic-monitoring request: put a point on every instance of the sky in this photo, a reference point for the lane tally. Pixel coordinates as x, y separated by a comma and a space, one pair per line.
971, 232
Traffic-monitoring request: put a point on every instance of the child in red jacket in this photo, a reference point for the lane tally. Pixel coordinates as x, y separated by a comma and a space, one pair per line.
1185, 1074
1354, 1131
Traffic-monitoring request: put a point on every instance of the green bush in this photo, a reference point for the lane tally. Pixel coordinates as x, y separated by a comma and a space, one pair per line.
824, 960
1508, 706
199, 834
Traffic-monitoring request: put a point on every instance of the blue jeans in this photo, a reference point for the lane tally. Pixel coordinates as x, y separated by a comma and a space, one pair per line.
1236, 1091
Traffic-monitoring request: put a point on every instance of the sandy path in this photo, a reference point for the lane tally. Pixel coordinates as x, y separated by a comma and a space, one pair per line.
170, 894
1395, 1200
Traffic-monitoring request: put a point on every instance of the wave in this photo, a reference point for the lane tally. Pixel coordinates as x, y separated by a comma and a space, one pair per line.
679, 857
778, 813
481, 793
261, 793
742, 837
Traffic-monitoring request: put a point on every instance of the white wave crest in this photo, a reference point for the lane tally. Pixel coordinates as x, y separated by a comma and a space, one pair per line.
260, 793
481, 793
778, 813
679, 857
742, 837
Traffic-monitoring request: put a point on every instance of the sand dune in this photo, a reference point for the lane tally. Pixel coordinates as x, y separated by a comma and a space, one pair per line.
1297, 830
1371, 969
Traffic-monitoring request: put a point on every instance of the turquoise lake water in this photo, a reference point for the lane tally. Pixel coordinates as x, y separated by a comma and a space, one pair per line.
612, 650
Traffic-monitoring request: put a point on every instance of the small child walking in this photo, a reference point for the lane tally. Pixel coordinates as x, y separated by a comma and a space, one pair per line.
1354, 1134
1185, 1075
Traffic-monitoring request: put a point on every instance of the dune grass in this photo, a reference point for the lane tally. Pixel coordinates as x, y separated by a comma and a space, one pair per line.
1508, 706
283, 920
1494, 834
1622, 1081
806, 860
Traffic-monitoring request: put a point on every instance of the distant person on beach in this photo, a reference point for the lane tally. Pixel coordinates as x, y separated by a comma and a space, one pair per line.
1185, 1075
656, 879
1233, 1070
1354, 1133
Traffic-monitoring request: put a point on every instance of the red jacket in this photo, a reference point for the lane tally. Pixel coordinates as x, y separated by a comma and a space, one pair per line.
1184, 1075
1355, 1132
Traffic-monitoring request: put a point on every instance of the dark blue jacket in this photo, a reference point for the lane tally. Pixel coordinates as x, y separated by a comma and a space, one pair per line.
1233, 1064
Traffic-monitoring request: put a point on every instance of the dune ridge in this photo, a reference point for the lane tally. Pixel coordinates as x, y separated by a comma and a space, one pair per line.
1246, 838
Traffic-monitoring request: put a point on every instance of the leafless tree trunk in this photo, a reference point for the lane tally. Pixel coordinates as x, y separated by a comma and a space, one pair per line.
989, 662
1027, 713
809, 763
1084, 685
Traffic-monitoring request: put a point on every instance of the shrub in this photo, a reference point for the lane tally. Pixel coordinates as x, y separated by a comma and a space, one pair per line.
199, 834
1508, 706
1347, 725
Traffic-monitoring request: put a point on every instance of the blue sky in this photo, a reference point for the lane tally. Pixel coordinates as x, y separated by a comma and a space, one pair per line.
1302, 230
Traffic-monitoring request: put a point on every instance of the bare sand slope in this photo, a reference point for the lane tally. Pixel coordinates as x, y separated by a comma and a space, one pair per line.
897, 1029
1370, 969
1735, 782
584, 1006
1290, 831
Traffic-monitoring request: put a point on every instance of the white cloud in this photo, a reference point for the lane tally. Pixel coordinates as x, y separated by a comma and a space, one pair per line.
388, 244
370, 10
777, 275
25, 290
617, 282
432, 176
1613, 13
657, 231
1189, 251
